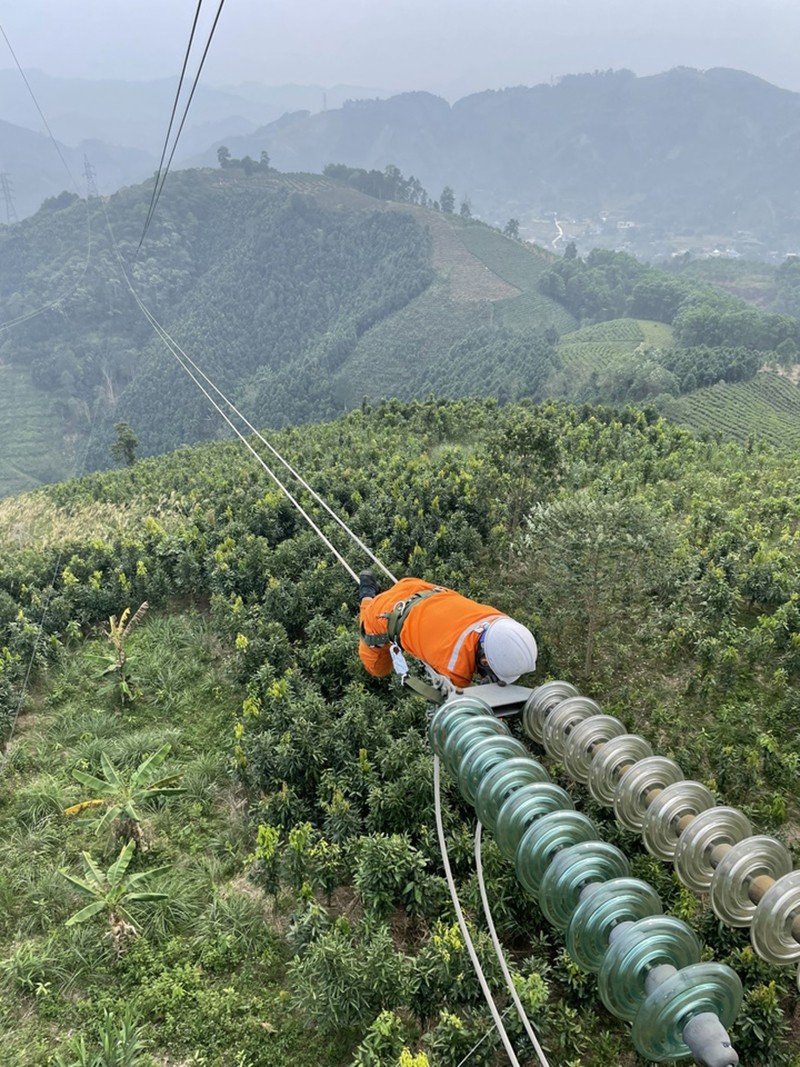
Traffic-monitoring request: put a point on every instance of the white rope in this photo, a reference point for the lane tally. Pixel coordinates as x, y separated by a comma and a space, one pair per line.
498, 1021
185, 362
478, 1044
498, 948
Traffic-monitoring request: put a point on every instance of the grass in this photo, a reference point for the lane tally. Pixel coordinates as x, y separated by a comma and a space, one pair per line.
207, 951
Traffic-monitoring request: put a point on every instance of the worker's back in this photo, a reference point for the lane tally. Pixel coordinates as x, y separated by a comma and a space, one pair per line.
442, 630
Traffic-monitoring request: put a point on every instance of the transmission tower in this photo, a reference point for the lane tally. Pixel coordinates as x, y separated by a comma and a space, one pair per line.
11, 211
91, 178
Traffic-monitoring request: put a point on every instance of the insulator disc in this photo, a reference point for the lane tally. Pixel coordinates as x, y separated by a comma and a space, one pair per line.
621, 751
582, 741
772, 930
571, 870
631, 794
715, 826
481, 758
501, 781
544, 839
660, 829
616, 901
524, 807
754, 857
562, 720
649, 943
445, 717
465, 734
701, 987
540, 702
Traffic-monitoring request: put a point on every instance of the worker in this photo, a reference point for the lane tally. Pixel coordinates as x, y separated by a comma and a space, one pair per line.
457, 637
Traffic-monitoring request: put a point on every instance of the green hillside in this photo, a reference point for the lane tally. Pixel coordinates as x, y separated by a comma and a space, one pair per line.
27, 420
766, 408
594, 348
301, 915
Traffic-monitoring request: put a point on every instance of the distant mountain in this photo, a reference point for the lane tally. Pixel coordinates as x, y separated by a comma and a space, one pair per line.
121, 126
35, 171
685, 152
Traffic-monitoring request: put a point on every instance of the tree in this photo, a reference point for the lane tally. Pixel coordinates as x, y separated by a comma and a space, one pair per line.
465, 211
123, 450
447, 200
511, 229
264, 160
223, 155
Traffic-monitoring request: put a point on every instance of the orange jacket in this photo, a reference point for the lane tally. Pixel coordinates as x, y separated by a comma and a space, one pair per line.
442, 630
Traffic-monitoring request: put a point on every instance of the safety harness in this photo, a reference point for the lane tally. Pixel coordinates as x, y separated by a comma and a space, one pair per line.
394, 625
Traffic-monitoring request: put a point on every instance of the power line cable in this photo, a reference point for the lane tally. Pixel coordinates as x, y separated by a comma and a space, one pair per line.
151, 208
160, 187
184, 359
52, 303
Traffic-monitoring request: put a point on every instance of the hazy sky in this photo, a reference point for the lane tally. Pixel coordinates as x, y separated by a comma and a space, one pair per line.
447, 46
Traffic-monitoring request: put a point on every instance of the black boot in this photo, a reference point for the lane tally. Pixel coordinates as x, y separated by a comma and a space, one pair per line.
367, 584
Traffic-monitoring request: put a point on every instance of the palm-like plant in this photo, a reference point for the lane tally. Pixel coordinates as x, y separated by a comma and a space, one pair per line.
116, 656
112, 891
121, 797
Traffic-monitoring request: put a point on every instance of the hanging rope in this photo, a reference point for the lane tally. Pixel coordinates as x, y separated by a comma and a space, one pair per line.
462, 923
498, 949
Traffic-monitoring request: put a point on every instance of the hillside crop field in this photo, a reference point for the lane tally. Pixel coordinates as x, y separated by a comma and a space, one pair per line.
31, 451
766, 408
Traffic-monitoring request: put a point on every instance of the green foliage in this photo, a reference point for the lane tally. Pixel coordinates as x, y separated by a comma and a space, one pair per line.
125, 444
121, 798
121, 1045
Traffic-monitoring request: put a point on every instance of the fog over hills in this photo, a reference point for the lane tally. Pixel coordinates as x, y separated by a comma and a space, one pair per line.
681, 153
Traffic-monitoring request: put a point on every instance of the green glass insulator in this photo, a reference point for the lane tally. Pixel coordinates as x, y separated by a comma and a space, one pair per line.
543, 840
524, 807
481, 757
772, 932
584, 741
571, 870
445, 717
646, 944
754, 857
562, 720
467, 733
501, 781
660, 828
637, 783
701, 987
541, 701
617, 901
711, 828
609, 763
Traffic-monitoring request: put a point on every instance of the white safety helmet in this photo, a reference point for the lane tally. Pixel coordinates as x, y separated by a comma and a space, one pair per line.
510, 649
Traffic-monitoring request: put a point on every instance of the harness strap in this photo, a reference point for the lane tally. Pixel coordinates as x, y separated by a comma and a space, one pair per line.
395, 619
400, 612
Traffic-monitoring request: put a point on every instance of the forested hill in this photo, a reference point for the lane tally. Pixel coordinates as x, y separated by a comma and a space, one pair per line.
301, 917
283, 288
300, 295
686, 151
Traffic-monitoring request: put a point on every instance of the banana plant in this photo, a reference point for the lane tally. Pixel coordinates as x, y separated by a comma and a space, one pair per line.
122, 798
112, 891
116, 656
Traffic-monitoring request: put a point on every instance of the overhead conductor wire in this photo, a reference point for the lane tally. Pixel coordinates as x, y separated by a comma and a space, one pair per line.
52, 303
153, 198
159, 187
